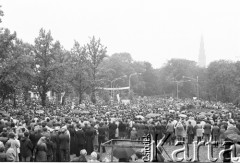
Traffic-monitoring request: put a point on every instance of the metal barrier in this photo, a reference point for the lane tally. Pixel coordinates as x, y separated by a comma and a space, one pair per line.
112, 143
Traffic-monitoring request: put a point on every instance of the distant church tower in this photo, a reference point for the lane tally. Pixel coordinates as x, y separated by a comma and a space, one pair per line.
202, 56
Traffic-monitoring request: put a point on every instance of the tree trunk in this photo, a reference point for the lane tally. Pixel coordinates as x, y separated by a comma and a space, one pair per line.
63, 99
43, 98
93, 96
14, 101
80, 98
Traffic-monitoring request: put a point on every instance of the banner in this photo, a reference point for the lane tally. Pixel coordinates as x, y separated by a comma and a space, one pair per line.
126, 102
113, 89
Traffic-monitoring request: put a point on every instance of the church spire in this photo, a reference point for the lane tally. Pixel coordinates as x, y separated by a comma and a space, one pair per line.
201, 56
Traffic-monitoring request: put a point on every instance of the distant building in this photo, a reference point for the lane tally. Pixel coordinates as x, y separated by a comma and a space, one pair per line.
202, 56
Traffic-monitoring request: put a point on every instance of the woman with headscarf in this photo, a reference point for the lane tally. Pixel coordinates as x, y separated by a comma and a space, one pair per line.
179, 131
15, 144
94, 157
41, 150
10, 153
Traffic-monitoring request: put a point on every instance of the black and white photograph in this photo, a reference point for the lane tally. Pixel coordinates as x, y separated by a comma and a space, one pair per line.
120, 81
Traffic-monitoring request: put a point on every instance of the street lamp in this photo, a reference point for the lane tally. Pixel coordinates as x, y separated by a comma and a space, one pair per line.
178, 84
196, 80
112, 82
129, 81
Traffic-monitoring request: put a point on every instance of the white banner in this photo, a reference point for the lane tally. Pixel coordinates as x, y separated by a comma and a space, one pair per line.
113, 89
125, 102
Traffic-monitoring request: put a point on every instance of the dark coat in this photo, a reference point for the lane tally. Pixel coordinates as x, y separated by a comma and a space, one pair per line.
215, 131
73, 141
190, 130
101, 132
80, 137
90, 133
41, 153
3, 157
26, 147
64, 141
207, 128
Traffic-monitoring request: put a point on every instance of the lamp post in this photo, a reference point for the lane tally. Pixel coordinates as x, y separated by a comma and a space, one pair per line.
178, 84
196, 80
129, 81
112, 82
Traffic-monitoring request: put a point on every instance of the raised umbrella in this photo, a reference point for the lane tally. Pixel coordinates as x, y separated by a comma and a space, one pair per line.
193, 122
76, 111
140, 116
152, 115
183, 115
40, 111
209, 113
201, 116
234, 137
232, 130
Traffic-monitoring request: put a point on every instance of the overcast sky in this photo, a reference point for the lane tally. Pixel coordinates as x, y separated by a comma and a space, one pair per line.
150, 30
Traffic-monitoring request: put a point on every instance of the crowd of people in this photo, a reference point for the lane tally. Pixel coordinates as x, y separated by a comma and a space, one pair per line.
66, 133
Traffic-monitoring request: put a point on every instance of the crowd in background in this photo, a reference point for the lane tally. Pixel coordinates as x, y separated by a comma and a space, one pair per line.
66, 133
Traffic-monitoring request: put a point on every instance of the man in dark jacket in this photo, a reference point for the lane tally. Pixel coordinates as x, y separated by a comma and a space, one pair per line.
207, 131
80, 137
26, 148
122, 130
64, 142
112, 130
190, 132
56, 150
215, 133
101, 137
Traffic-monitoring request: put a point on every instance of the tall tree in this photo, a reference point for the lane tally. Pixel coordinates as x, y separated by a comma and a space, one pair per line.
46, 64
96, 52
6, 54
78, 70
221, 79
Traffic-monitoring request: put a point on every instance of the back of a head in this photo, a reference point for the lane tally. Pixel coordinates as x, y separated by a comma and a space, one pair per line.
26, 134
11, 135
